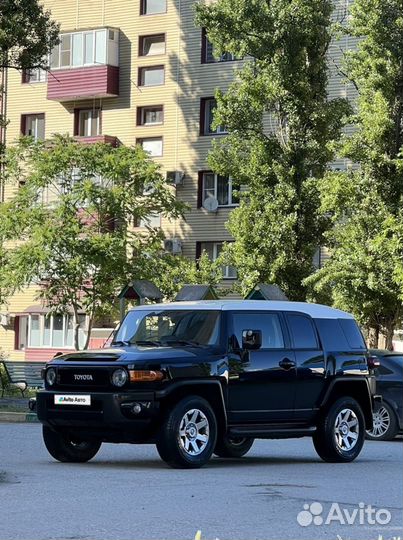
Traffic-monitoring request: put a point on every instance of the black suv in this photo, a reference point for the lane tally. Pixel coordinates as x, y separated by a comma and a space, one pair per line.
198, 378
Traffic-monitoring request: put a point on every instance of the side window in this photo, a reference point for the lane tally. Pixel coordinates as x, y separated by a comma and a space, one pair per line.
331, 334
302, 332
352, 333
268, 323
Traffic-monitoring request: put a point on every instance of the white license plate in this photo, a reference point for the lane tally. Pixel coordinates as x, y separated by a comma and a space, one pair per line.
72, 400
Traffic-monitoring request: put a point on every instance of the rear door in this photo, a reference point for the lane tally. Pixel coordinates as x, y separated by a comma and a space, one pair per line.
261, 382
310, 364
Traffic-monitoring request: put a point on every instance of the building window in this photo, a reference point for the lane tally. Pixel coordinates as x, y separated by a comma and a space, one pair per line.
220, 187
150, 7
151, 76
207, 107
33, 125
38, 75
87, 122
53, 331
213, 250
152, 45
152, 145
92, 47
150, 115
208, 56
152, 220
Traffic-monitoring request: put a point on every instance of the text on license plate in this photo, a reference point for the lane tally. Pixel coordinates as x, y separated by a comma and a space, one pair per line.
72, 400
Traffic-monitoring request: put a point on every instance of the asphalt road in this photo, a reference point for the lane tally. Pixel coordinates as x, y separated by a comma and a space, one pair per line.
126, 492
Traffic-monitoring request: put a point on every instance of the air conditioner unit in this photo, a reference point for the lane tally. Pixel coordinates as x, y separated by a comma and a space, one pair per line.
175, 177
5, 319
173, 245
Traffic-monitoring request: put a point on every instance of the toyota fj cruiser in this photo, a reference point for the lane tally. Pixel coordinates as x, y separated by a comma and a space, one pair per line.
198, 378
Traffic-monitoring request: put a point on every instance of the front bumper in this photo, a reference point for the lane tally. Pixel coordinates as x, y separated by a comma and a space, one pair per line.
108, 411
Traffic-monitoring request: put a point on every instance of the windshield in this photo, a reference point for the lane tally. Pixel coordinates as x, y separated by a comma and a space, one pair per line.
169, 327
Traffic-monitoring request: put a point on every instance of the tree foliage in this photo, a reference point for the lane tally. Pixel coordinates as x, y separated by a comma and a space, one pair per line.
364, 274
281, 125
73, 223
27, 34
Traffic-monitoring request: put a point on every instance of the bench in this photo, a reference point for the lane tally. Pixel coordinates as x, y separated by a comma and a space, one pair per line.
23, 374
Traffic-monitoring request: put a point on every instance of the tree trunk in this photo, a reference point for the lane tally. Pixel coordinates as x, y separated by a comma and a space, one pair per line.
76, 329
388, 334
373, 337
90, 319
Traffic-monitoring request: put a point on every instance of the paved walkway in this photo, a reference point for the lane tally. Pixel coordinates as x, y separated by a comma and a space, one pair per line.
14, 403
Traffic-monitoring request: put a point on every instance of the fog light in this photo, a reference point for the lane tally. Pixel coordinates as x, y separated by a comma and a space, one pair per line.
119, 377
136, 409
51, 376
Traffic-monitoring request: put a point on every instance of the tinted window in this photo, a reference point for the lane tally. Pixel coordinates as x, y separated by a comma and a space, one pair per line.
268, 323
302, 332
331, 335
352, 333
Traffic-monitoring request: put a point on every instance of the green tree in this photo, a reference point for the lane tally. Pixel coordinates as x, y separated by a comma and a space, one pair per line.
364, 273
27, 34
73, 222
281, 125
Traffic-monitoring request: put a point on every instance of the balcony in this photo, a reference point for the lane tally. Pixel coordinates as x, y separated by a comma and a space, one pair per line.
106, 139
85, 65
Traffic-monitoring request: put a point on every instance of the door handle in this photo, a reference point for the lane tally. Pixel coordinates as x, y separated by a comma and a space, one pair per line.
286, 363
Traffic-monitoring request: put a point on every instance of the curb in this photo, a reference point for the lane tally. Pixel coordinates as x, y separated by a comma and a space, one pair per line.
16, 417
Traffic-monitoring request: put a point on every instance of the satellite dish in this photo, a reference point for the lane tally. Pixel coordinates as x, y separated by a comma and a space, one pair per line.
210, 204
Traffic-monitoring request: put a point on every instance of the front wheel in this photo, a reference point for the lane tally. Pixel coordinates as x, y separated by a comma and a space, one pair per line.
340, 432
385, 426
69, 449
188, 434
233, 447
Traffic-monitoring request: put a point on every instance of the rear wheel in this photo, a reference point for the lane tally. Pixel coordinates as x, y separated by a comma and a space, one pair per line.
340, 432
385, 426
69, 449
233, 447
188, 434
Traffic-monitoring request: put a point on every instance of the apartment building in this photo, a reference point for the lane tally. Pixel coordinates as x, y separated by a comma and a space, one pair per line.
131, 72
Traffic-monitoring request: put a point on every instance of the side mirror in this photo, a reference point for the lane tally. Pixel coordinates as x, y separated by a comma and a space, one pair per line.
251, 339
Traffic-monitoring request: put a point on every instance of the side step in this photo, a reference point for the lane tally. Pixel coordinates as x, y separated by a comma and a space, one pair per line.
270, 431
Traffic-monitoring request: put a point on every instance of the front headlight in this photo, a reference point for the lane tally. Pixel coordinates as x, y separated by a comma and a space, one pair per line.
51, 376
119, 377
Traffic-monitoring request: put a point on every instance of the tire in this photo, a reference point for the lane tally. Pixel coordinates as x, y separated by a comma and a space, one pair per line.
188, 434
335, 440
66, 450
385, 423
233, 447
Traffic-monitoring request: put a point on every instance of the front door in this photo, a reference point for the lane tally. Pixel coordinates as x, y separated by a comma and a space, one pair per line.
262, 383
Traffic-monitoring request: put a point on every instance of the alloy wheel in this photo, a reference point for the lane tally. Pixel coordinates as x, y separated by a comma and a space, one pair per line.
346, 430
194, 432
381, 422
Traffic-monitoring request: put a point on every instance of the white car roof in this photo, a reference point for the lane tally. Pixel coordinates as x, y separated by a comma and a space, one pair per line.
317, 311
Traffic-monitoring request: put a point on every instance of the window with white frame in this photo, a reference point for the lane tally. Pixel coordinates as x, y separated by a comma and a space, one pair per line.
150, 115
151, 76
53, 331
92, 47
208, 107
152, 145
89, 122
33, 125
150, 7
35, 76
213, 250
152, 45
221, 188
152, 220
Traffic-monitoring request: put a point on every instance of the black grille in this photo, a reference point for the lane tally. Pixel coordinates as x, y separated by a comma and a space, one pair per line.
83, 377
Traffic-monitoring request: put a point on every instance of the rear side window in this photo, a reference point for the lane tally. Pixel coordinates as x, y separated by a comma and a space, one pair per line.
302, 332
332, 335
352, 333
268, 323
